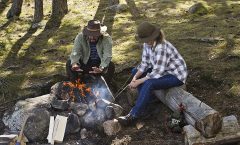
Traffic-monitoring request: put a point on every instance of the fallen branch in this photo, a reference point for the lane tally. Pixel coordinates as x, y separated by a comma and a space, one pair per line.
204, 39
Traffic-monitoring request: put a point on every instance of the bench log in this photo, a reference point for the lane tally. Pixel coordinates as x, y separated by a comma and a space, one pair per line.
198, 114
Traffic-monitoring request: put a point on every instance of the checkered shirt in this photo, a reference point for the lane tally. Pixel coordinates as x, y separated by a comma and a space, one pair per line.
163, 59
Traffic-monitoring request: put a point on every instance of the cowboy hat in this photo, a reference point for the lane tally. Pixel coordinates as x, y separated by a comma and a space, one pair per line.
147, 32
94, 28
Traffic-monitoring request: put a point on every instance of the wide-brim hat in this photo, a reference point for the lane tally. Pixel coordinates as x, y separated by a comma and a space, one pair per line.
94, 28
147, 32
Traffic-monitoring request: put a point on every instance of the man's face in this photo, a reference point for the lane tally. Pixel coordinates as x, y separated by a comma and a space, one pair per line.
93, 39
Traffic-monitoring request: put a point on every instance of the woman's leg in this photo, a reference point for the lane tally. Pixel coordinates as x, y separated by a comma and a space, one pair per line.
165, 82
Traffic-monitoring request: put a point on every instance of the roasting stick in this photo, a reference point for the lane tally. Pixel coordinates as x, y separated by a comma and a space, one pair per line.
121, 91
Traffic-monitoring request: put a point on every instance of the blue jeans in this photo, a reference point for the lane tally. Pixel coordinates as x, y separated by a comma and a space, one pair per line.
145, 90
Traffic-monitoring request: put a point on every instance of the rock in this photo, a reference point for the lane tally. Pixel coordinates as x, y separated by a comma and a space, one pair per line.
110, 114
117, 109
122, 141
113, 2
139, 125
230, 125
102, 103
79, 108
100, 116
14, 118
88, 120
60, 104
118, 8
131, 96
73, 124
92, 106
198, 8
94, 119
36, 128
234, 91
111, 127
83, 133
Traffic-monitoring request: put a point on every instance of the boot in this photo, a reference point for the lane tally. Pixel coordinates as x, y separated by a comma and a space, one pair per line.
127, 120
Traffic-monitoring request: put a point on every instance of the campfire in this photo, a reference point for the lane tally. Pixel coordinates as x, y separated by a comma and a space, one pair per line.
86, 104
77, 92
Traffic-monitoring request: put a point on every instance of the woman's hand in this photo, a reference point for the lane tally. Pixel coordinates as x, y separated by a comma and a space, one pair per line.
135, 83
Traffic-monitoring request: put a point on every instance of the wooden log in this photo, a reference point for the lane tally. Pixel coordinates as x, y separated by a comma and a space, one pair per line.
198, 114
230, 133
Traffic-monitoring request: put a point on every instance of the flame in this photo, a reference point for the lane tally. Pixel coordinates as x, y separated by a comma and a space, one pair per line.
78, 85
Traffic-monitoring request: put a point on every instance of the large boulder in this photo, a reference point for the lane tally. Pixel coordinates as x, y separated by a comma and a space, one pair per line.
14, 118
36, 128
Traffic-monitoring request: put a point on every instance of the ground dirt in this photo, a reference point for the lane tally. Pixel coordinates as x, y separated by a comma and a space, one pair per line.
27, 55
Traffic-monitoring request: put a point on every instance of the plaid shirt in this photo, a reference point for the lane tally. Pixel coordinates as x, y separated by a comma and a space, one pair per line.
163, 59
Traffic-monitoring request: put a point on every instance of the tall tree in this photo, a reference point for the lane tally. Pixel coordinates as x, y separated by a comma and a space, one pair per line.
16, 8
59, 8
113, 2
38, 12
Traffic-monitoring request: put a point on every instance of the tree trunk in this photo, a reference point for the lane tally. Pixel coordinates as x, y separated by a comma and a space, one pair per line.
198, 114
59, 8
15, 10
38, 13
113, 2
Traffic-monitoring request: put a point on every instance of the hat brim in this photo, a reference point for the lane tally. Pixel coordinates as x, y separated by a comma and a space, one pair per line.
154, 35
103, 29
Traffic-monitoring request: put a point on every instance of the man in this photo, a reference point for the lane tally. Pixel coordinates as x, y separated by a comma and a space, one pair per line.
92, 53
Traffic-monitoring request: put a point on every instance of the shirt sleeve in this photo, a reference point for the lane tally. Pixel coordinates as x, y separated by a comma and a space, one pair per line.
107, 51
160, 62
145, 60
76, 55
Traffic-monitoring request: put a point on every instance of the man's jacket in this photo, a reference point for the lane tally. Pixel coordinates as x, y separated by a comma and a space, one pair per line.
81, 49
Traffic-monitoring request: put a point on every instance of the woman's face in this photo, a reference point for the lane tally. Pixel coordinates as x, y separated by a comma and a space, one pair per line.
151, 42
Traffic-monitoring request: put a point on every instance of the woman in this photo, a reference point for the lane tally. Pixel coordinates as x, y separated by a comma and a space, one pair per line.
162, 67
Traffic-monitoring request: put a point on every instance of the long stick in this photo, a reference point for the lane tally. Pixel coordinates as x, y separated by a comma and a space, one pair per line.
121, 91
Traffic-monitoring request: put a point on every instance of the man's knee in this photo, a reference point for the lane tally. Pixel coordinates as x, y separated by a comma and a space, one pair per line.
111, 67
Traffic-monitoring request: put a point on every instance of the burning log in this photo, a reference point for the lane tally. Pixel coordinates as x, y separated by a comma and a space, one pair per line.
91, 101
198, 114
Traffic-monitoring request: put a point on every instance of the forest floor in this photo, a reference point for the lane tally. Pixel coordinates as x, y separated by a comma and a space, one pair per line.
27, 55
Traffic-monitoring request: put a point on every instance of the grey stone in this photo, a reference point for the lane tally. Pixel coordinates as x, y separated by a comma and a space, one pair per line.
88, 120
102, 103
111, 127
79, 108
73, 124
118, 8
198, 8
117, 109
110, 114
36, 128
60, 104
83, 133
14, 118
100, 116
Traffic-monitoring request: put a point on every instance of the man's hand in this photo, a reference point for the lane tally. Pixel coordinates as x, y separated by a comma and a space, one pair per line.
76, 67
96, 70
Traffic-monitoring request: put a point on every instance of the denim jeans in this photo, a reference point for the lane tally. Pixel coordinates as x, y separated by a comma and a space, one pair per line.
145, 94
